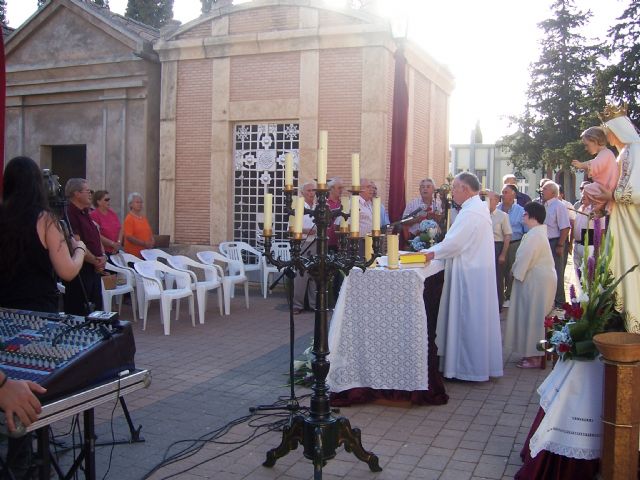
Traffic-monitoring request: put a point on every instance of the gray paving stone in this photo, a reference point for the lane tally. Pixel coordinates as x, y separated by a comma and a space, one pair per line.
489, 470
207, 376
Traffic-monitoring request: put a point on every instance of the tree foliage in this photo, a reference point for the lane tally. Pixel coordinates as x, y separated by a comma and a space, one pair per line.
3, 12
559, 102
622, 79
207, 5
151, 12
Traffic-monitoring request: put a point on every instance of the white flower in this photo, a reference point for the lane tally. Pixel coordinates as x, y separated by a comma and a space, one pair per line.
583, 297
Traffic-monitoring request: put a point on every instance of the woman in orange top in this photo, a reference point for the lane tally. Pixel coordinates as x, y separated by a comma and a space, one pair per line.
137, 231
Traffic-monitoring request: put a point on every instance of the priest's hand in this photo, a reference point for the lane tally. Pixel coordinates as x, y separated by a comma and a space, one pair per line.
430, 255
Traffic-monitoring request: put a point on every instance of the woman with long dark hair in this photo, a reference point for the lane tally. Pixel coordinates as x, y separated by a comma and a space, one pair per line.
33, 250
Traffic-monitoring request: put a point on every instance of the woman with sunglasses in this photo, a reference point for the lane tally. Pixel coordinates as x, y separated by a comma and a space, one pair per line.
108, 221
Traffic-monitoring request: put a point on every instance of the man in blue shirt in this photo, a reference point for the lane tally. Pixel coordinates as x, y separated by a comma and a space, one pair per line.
518, 228
557, 222
521, 198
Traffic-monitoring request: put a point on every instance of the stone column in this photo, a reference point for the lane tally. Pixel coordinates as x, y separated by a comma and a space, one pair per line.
221, 207
167, 172
377, 70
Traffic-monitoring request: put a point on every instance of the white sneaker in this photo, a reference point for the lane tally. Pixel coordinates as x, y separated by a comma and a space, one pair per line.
506, 304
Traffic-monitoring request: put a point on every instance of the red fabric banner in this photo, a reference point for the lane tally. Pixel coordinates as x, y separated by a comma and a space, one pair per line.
398, 138
3, 86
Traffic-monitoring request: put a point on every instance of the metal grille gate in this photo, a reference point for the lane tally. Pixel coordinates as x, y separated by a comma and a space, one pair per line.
258, 169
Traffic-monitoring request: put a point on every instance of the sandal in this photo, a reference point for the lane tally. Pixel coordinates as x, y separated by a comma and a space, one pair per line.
528, 363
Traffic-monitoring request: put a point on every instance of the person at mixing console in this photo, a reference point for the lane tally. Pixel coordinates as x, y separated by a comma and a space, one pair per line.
17, 398
32, 245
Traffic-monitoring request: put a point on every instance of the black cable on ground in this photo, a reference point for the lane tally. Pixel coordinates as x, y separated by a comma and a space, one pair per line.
196, 445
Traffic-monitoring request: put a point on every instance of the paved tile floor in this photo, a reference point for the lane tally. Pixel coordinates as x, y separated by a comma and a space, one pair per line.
205, 377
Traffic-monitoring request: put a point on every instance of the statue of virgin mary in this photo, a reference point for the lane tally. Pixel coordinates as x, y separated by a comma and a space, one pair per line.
625, 216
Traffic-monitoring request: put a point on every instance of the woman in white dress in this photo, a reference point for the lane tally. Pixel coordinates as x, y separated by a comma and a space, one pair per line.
534, 280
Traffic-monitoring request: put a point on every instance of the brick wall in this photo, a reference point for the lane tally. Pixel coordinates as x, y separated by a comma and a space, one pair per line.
440, 158
340, 107
193, 151
265, 77
422, 107
202, 30
327, 18
264, 20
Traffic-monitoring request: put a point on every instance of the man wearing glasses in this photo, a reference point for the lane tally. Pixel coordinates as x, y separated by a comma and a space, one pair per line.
86, 287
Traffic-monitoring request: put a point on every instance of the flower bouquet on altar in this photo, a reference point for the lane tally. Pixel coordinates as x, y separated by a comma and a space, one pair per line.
428, 234
592, 311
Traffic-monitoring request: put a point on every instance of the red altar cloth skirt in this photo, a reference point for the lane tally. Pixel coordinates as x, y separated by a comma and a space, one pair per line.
551, 466
436, 395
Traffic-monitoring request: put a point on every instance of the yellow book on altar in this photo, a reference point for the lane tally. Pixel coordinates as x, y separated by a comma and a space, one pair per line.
413, 258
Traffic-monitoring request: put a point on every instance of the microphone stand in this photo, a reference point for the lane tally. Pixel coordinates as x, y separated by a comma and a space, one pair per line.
60, 209
292, 405
277, 280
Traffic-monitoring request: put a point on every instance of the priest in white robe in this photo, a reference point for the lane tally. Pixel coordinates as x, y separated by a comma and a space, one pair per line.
468, 331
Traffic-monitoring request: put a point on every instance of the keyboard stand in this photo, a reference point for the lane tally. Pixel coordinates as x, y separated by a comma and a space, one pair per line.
82, 402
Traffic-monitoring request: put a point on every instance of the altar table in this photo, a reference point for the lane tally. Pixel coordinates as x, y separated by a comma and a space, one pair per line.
378, 336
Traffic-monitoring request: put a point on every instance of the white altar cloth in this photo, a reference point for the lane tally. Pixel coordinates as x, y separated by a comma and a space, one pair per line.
571, 397
378, 334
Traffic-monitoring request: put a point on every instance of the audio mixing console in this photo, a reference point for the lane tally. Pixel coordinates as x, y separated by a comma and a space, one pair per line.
64, 353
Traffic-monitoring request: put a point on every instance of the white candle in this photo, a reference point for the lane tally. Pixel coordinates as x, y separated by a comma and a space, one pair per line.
322, 166
297, 226
355, 213
345, 209
368, 247
355, 169
288, 169
268, 211
324, 139
484, 183
376, 214
393, 251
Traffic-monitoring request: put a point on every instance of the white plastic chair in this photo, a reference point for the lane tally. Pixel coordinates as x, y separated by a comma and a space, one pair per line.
234, 274
213, 280
120, 290
279, 250
153, 290
156, 254
235, 251
123, 259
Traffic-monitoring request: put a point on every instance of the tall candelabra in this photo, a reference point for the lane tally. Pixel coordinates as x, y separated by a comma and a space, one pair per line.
447, 200
319, 431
